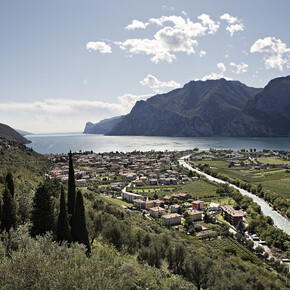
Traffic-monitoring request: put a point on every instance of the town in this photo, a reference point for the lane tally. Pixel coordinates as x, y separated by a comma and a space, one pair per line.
159, 188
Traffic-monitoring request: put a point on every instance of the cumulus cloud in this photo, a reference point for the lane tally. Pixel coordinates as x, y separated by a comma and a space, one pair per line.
177, 34
212, 25
101, 46
157, 85
137, 24
234, 24
276, 53
239, 68
215, 76
65, 114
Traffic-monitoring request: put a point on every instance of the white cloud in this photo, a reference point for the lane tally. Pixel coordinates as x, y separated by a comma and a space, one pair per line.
202, 53
215, 76
212, 25
157, 85
235, 27
230, 19
276, 53
240, 68
67, 115
85, 82
221, 66
177, 34
235, 24
101, 46
184, 13
137, 24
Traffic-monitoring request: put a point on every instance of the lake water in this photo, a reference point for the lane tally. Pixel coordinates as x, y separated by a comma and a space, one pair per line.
62, 143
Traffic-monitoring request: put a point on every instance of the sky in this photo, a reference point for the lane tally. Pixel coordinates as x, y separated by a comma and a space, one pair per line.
67, 62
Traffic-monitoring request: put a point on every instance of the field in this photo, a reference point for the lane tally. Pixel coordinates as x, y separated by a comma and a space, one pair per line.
115, 201
272, 160
226, 243
197, 189
274, 179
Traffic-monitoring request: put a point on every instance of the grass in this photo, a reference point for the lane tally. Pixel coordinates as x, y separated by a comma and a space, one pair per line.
272, 160
115, 201
199, 189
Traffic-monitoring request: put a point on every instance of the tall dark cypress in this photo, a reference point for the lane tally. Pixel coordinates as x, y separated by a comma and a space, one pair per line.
79, 230
10, 183
8, 212
63, 230
43, 213
71, 196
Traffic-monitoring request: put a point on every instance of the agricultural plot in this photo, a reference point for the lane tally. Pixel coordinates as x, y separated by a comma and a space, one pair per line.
274, 179
229, 243
272, 160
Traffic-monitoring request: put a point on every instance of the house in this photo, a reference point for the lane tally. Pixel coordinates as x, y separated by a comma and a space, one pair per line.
129, 196
156, 211
182, 196
171, 219
231, 215
214, 206
174, 208
198, 204
195, 215
153, 181
167, 198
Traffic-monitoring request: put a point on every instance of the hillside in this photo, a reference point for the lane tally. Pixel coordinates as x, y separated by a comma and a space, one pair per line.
198, 109
11, 134
266, 115
103, 126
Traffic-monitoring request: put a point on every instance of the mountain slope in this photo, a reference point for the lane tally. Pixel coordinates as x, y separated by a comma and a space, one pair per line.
103, 126
266, 115
198, 109
10, 134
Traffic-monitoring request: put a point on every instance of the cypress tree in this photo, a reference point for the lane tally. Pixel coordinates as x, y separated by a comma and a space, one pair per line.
8, 212
10, 183
42, 214
63, 230
71, 196
79, 230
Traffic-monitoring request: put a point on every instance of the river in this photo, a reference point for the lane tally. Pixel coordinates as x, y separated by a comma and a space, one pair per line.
279, 221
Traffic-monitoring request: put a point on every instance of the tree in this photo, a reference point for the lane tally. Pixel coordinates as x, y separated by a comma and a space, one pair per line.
42, 214
10, 183
8, 212
198, 270
79, 230
63, 230
71, 196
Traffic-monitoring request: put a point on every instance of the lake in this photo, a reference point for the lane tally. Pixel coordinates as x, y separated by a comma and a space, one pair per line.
62, 143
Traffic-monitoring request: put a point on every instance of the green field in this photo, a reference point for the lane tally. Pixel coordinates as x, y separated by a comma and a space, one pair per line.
222, 244
115, 201
274, 179
197, 189
272, 160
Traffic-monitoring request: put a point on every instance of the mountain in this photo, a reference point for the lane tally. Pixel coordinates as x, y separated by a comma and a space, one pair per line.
265, 115
200, 108
23, 133
103, 126
12, 135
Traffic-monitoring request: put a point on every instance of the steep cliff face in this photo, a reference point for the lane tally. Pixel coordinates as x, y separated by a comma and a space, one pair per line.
265, 115
103, 126
197, 109
10, 134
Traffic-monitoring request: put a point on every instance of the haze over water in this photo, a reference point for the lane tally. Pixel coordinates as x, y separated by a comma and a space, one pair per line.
62, 143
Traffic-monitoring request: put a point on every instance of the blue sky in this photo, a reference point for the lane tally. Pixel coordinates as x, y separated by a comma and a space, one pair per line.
66, 62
